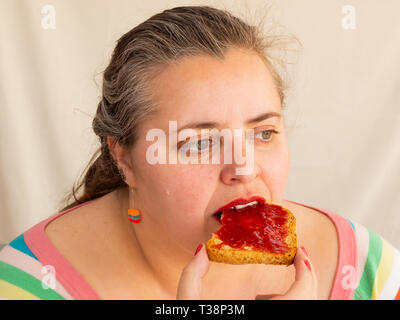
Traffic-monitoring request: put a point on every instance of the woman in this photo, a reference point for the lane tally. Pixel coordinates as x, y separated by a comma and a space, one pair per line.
194, 68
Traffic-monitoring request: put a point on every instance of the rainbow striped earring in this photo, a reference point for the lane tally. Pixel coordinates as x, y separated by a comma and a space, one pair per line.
133, 214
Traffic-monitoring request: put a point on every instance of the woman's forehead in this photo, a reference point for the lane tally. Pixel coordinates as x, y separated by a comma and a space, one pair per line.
204, 87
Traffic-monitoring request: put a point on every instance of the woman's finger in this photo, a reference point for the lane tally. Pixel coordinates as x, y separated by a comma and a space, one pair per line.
305, 284
189, 286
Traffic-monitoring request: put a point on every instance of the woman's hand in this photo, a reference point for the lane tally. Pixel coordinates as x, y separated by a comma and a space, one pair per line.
305, 285
189, 286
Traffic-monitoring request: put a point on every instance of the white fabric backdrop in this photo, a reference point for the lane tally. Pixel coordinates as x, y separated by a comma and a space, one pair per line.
343, 109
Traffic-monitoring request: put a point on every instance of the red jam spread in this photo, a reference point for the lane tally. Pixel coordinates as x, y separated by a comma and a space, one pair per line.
260, 226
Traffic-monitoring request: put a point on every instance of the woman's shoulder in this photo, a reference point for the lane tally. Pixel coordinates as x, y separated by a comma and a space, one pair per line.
317, 233
368, 266
87, 237
313, 224
85, 231
80, 218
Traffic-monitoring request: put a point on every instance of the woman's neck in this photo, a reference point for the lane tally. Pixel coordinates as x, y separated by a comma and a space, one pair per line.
163, 260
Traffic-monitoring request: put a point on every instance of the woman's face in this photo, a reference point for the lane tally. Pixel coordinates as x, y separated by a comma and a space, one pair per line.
181, 199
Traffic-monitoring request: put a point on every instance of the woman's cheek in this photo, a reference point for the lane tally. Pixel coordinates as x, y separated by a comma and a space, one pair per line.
274, 171
191, 192
193, 184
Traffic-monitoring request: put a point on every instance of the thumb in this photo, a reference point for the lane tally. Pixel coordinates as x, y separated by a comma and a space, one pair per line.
305, 284
189, 286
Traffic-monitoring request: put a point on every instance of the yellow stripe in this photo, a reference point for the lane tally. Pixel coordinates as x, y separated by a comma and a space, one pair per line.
384, 269
10, 292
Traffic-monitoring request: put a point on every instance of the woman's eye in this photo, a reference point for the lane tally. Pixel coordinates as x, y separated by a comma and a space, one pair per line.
265, 135
196, 146
203, 144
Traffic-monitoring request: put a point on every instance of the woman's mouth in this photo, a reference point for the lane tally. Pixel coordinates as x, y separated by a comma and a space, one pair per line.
218, 214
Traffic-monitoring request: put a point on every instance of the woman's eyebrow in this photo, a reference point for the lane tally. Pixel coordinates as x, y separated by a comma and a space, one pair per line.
263, 116
213, 124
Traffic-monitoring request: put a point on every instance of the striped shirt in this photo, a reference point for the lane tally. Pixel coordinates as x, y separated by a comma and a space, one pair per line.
32, 268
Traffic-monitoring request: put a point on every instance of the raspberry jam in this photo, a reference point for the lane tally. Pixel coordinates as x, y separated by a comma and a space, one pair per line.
260, 226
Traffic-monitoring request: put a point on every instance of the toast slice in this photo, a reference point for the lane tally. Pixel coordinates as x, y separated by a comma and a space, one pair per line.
262, 233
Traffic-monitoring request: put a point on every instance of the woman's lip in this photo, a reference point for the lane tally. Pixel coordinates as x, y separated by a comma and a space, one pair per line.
240, 201
217, 217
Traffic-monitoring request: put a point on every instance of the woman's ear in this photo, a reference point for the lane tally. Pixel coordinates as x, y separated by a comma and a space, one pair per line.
122, 159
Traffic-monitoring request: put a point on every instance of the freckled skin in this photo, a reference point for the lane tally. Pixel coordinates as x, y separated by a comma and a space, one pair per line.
206, 89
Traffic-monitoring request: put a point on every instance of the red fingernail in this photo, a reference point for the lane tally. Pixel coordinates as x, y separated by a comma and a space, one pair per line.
198, 248
304, 250
307, 264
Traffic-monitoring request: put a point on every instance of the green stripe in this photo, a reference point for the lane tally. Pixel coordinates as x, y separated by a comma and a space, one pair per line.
367, 281
27, 282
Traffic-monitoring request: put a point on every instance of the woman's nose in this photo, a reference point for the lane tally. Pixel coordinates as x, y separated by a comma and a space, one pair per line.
243, 167
230, 176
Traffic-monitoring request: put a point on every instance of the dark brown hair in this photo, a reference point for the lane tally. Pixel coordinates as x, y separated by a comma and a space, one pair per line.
139, 55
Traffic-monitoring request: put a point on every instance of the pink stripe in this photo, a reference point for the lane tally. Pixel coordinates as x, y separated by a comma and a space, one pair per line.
38, 242
347, 253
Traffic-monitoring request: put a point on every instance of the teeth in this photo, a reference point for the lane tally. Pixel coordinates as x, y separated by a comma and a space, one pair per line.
240, 206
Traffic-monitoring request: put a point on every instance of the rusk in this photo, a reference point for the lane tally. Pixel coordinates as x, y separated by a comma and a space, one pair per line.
248, 255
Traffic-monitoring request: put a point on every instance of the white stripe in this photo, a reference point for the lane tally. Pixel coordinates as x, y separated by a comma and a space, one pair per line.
30, 265
392, 284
